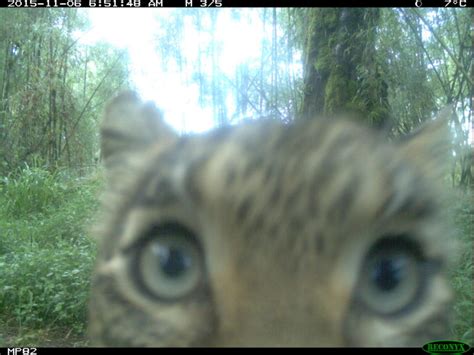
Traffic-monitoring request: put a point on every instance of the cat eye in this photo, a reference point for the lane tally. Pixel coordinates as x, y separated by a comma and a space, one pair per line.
393, 276
169, 262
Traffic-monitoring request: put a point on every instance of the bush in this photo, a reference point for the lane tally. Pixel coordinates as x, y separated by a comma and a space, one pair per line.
31, 190
47, 287
46, 255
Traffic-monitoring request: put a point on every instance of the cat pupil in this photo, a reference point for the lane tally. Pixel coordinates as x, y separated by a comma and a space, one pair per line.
173, 261
388, 273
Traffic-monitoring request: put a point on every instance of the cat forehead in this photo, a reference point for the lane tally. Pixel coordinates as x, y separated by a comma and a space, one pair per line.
269, 164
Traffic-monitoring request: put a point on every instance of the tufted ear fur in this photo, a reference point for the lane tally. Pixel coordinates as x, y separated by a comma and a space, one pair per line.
129, 127
429, 146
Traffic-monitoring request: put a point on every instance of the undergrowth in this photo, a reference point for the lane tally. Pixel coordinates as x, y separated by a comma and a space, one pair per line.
46, 256
461, 276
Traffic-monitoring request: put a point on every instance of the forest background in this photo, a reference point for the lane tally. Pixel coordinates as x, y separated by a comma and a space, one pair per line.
395, 68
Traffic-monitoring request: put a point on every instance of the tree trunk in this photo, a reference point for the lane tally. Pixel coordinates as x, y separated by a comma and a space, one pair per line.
340, 70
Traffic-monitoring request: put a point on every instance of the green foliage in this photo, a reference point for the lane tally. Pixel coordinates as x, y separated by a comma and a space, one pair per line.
462, 213
31, 190
46, 255
52, 88
47, 286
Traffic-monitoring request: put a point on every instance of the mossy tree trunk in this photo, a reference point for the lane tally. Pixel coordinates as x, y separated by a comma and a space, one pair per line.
341, 73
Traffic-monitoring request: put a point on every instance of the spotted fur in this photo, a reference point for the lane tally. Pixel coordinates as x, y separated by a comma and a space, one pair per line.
284, 218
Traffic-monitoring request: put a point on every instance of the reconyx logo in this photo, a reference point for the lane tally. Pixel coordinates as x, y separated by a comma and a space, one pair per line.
446, 347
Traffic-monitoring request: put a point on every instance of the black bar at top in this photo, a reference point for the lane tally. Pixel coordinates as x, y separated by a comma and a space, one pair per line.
235, 3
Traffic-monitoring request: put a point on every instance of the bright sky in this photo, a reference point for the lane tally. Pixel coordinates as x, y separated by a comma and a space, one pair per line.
137, 30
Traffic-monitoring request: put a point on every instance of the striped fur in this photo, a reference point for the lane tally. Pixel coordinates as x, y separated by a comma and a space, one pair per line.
283, 218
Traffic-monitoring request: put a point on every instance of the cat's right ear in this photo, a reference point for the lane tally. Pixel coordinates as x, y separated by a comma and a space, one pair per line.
429, 146
130, 127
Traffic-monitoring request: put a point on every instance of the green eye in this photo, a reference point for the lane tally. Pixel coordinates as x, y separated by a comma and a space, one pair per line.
392, 276
169, 264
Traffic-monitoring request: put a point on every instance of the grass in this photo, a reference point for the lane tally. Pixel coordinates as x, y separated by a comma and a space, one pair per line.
461, 275
46, 259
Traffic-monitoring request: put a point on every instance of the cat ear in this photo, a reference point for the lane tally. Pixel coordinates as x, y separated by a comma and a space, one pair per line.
130, 126
429, 146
